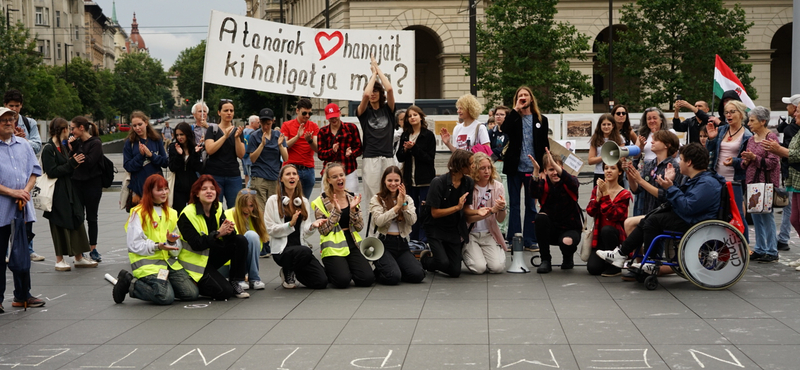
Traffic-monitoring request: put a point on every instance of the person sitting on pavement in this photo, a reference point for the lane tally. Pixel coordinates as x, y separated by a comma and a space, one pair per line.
288, 222
486, 249
559, 219
152, 241
695, 201
210, 241
394, 212
339, 238
249, 220
609, 208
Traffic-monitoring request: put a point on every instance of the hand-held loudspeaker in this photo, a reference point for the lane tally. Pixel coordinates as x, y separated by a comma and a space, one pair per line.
612, 153
371, 248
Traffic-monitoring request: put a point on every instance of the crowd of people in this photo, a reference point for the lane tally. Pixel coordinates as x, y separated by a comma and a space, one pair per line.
195, 228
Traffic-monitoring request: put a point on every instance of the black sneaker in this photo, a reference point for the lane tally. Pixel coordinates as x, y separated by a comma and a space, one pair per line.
756, 256
612, 271
123, 286
240, 293
783, 246
628, 275
768, 258
2, 310
567, 264
544, 268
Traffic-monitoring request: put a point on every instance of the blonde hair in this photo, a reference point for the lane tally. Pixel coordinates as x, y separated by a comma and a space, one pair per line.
470, 103
256, 217
477, 158
327, 187
739, 107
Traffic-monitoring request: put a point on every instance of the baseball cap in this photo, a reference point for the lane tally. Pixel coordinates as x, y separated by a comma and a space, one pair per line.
266, 113
4, 110
332, 110
793, 100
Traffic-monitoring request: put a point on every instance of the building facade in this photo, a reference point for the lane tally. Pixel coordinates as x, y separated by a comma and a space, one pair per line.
56, 25
442, 37
99, 38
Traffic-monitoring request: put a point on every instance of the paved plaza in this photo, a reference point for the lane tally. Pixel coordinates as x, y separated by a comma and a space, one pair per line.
561, 320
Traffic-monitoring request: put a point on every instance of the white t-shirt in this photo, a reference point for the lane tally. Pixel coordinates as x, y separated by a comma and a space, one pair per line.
463, 134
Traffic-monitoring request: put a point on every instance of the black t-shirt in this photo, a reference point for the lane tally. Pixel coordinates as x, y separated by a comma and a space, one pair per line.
378, 128
294, 237
224, 161
442, 194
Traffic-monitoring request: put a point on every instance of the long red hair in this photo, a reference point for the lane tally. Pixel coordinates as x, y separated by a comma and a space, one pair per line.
146, 203
194, 197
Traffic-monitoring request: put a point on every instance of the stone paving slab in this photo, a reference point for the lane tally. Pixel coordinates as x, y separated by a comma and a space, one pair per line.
562, 320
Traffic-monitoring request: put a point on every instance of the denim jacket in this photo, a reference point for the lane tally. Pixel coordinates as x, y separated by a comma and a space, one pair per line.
713, 149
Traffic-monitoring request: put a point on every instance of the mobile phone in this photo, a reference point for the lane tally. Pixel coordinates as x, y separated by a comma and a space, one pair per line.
680, 97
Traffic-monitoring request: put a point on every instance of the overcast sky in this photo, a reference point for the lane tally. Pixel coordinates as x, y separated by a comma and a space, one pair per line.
168, 27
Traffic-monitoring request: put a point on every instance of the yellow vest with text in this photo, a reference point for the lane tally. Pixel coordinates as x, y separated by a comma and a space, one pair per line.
195, 261
156, 231
335, 243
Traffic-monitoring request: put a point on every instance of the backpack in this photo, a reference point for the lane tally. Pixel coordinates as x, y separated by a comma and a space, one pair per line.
107, 177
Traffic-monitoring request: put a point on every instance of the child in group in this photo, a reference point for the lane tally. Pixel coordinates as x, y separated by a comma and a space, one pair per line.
558, 221
486, 249
604, 131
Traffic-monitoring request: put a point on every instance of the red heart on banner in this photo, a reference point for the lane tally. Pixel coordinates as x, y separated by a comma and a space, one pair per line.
324, 54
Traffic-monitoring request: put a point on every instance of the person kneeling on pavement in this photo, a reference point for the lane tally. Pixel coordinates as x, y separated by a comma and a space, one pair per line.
151, 229
695, 201
559, 219
210, 241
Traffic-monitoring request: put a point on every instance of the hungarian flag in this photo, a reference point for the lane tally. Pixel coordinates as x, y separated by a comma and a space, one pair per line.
725, 80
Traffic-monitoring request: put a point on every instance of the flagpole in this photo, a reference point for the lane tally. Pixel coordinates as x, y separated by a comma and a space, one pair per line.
712, 86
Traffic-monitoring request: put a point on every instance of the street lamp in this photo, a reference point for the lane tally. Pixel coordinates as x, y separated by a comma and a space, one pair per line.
8, 15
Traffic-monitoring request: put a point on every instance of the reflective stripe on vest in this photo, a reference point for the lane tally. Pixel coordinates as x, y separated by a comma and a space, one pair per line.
195, 261
142, 266
335, 243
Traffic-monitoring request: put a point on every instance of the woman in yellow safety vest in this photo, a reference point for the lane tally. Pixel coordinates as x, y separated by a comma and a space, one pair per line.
152, 237
249, 221
339, 237
210, 241
288, 221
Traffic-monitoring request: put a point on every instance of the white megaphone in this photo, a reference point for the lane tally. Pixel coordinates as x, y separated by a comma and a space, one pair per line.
612, 153
371, 248
518, 265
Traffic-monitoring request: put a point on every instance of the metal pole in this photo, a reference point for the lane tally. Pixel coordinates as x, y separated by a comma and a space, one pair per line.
473, 49
796, 49
610, 52
281, 2
327, 13
66, 61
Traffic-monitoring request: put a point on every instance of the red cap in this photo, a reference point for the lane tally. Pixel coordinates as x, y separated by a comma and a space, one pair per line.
332, 110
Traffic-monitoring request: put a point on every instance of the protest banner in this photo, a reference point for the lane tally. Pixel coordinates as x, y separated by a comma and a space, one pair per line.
274, 57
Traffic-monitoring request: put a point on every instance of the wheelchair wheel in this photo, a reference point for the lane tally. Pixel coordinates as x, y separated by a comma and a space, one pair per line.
713, 255
651, 282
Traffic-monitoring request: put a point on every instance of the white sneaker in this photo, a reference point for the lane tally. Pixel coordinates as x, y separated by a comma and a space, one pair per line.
244, 285
647, 269
62, 266
797, 268
288, 282
84, 263
795, 263
614, 257
36, 257
258, 285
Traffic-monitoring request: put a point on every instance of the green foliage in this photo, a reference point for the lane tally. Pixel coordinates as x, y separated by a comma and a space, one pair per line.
523, 45
669, 47
111, 137
189, 69
140, 81
19, 63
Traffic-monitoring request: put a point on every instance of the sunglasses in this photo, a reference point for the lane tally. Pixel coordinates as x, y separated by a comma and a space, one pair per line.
247, 191
305, 113
622, 113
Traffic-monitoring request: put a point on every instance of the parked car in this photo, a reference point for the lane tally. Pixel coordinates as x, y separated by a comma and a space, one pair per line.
124, 127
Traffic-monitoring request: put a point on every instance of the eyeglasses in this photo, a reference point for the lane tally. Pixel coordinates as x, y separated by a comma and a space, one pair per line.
621, 113
305, 113
7, 120
247, 191
731, 111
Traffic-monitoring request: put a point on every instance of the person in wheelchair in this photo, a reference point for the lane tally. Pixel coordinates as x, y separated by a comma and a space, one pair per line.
695, 201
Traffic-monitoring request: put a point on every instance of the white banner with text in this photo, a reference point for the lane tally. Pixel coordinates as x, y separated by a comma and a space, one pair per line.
274, 57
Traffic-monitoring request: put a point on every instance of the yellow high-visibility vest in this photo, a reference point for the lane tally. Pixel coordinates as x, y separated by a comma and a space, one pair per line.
195, 261
156, 231
335, 243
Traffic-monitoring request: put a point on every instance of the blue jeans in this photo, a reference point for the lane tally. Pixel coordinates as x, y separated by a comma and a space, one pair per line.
515, 184
786, 224
178, 285
766, 241
418, 194
230, 186
307, 179
253, 249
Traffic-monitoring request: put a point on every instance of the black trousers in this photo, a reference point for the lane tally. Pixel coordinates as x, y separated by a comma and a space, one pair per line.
213, 284
547, 235
608, 239
307, 269
90, 192
354, 266
22, 280
446, 258
397, 262
652, 226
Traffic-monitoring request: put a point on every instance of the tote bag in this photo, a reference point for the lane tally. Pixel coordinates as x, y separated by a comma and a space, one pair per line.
42, 194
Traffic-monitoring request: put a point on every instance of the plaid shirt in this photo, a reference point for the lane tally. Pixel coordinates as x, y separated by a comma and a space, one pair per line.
793, 181
347, 137
609, 212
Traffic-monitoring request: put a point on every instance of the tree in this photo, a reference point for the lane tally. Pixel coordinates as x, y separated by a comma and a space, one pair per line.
19, 62
668, 49
523, 45
139, 81
189, 69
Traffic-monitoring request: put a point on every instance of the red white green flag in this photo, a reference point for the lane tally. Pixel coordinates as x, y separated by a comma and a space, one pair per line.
725, 80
